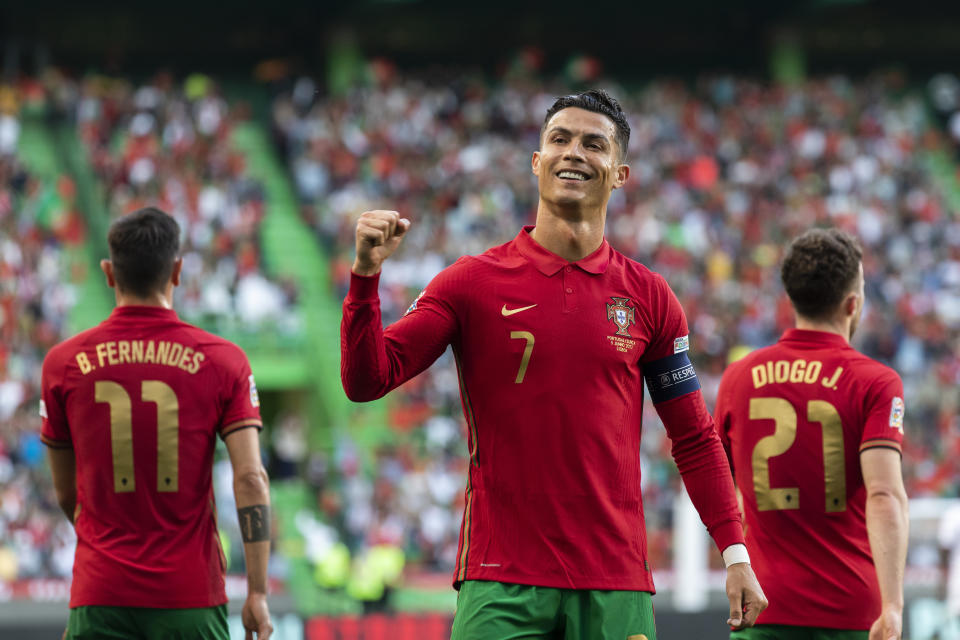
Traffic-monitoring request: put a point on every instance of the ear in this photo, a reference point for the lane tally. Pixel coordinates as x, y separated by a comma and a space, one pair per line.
107, 267
623, 173
535, 163
175, 273
850, 304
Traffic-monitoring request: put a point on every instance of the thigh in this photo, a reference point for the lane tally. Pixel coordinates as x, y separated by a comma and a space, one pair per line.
109, 623
594, 614
207, 623
505, 611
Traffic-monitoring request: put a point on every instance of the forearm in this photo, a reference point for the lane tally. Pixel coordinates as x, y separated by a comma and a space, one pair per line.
63, 471
363, 369
887, 528
702, 463
68, 504
252, 494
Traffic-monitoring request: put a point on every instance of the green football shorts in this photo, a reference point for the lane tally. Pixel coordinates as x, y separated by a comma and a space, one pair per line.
506, 611
790, 632
136, 623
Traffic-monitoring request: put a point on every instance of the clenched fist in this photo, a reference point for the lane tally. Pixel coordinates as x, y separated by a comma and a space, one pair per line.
379, 233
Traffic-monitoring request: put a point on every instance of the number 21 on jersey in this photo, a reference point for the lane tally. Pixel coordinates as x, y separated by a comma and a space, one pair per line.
784, 417
121, 432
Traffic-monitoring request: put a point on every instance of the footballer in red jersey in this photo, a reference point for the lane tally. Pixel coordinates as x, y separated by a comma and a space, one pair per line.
814, 429
554, 334
131, 411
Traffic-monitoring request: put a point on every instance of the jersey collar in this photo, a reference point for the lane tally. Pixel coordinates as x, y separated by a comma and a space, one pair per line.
819, 338
549, 263
140, 311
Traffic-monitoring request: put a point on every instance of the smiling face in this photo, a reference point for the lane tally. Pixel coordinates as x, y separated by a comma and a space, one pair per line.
578, 163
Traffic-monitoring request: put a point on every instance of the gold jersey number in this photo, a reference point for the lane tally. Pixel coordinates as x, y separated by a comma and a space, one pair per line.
527, 352
121, 432
784, 417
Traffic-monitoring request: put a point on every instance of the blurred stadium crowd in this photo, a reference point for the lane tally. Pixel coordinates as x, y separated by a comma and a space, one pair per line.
167, 145
724, 171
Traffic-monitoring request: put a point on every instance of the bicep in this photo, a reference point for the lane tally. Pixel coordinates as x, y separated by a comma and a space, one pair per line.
243, 447
420, 337
882, 471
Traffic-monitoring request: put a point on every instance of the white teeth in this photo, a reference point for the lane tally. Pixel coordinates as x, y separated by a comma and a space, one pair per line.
571, 174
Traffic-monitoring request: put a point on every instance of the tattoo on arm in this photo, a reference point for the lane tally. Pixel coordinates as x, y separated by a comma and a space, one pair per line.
254, 522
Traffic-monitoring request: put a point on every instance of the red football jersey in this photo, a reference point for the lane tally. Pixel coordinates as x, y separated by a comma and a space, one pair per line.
552, 356
794, 418
140, 398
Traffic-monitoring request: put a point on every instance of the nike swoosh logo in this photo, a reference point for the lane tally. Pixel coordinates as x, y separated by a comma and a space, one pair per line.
509, 312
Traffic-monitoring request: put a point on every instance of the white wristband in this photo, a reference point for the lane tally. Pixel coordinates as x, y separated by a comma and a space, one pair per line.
735, 553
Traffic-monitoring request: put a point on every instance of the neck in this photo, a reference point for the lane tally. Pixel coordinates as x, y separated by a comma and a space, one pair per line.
838, 326
158, 299
571, 235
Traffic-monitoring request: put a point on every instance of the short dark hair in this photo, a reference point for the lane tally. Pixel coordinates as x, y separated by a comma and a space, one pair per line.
598, 101
143, 249
819, 269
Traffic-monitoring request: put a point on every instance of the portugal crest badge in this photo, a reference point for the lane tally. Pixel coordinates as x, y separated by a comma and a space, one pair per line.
622, 315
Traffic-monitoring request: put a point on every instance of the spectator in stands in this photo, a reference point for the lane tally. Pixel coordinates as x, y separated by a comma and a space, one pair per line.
725, 169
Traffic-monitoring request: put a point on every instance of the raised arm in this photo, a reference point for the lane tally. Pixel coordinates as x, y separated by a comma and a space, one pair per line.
251, 489
887, 528
374, 361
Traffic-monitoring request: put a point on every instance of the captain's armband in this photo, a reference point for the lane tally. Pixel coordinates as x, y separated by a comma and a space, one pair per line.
670, 377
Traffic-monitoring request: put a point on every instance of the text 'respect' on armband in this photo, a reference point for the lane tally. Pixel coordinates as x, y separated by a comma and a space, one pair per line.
670, 377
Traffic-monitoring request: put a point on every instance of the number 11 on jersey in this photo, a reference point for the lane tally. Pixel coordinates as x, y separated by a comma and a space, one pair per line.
121, 432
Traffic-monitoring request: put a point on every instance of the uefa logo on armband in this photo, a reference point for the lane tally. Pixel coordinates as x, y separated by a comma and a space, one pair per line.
896, 414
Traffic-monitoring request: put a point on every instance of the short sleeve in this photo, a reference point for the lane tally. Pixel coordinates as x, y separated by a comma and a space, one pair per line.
242, 403
54, 430
883, 413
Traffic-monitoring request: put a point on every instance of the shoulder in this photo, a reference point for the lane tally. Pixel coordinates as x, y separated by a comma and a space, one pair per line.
63, 351
452, 277
463, 273
222, 352
502, 255
868, 370
635, 272
645, 286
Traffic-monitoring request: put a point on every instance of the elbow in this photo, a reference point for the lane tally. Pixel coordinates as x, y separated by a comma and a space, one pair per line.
252, 484
885, 493
358, 392
890, 499
355, 395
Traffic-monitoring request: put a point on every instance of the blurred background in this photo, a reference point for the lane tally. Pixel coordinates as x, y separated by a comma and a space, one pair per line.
267, 129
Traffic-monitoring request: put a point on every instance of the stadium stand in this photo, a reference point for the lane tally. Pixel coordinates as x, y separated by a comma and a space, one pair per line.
171, 146
43, 266
724, 170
